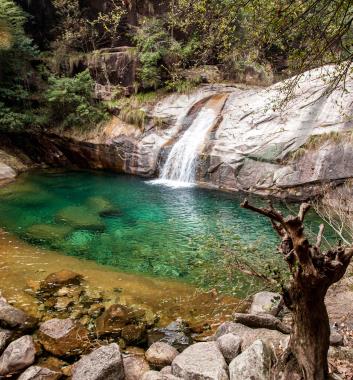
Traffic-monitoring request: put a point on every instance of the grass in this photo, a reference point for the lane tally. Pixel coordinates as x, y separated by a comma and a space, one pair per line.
316, 141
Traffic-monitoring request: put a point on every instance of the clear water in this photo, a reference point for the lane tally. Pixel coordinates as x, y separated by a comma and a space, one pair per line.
124, 222
179, 169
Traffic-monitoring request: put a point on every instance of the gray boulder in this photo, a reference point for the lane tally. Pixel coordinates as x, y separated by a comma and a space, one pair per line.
201, 361
39, 373
19, 355
135, 366
254, 363
274, 338
13, 318
266, 302
161, 354
230, 346
5, 336
104, 363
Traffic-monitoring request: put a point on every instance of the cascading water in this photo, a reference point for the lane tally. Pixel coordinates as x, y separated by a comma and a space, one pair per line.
180, 167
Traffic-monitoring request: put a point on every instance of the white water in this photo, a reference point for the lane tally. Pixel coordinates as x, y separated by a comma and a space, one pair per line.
180, 167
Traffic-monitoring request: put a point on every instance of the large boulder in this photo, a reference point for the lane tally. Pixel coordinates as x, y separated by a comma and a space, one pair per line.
254, 363
266, 302
201, 361
19, 355
39, 373
161, 354
11, 317
135, 366
274, 338
104, 363
230, 346
63, 337
176, 334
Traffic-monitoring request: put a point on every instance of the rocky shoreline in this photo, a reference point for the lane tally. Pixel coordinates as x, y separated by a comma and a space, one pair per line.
80, 335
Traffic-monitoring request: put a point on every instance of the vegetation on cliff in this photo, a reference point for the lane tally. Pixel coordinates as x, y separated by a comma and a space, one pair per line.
255, 41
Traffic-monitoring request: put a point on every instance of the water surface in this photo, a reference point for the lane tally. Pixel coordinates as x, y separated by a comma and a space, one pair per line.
126, 223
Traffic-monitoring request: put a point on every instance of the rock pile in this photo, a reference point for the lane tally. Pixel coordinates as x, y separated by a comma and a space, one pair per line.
119, 343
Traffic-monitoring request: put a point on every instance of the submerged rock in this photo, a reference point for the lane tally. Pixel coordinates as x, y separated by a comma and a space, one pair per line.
80, 217
114, 319
39, 373
254, 363
63, 337
48, 232
203, 361
161, 354
104, 363
266, 302
19, 355
176, 334
57, 280
102, 206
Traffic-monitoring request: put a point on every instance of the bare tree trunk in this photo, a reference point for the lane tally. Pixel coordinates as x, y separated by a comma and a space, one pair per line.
313, 272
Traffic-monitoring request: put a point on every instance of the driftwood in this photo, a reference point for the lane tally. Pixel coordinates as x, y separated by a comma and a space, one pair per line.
266, 321
312, 273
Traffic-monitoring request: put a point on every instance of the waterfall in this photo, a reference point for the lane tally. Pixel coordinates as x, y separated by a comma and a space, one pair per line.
180, 167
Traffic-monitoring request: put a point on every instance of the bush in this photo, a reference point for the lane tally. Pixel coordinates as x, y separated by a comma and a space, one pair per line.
71, 104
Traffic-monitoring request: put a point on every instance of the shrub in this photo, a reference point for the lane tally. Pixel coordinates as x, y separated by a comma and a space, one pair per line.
71, 104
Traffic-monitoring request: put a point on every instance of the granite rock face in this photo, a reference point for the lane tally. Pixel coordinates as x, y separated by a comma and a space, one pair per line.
254, 146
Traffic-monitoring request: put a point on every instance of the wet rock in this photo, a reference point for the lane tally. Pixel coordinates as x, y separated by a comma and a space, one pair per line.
63, 337
161, 354
266, 302
135, 366
57, 280
95, 310
176, 334
203, 361
64, 303
104, 363
19, 355
274, 338
11, 317
253, 363
80, 218
114, 319
39, 373
134, 333
5, 336
230, 346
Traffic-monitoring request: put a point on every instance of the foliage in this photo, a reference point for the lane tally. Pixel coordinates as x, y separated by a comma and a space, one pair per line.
70, 102
232, 267
16, 52
76, 32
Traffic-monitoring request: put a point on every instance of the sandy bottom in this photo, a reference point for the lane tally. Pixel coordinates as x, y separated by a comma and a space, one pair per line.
20, 262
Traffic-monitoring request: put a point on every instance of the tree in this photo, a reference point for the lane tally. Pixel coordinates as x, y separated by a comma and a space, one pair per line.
312, 273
